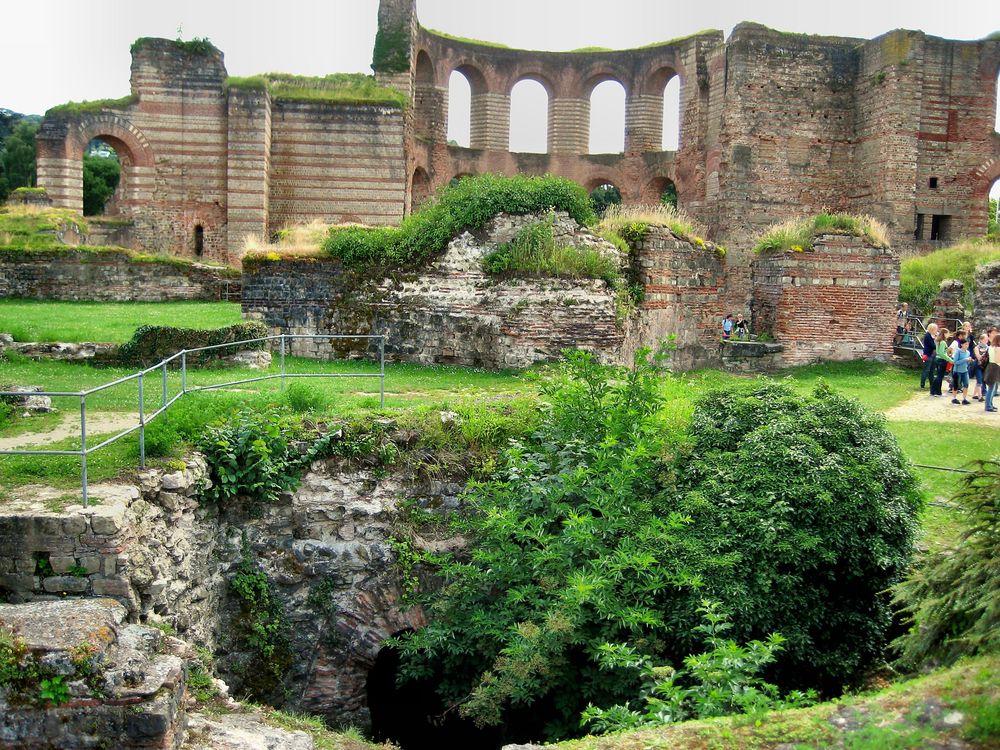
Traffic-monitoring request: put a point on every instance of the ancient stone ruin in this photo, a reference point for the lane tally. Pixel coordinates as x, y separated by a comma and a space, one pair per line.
772, 126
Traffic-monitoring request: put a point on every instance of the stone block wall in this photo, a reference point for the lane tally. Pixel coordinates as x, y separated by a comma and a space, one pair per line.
986, 306
836, 301
109, 277
451, 312
683, 296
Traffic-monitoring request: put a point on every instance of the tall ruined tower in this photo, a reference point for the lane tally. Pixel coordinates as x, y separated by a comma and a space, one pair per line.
392, 58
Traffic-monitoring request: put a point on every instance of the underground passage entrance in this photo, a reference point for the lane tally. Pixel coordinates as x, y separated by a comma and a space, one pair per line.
413, 716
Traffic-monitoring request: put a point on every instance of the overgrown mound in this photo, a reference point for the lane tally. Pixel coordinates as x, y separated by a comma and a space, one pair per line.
150, 344
797, 235
920, 276
793, 514
463, 206
630, 224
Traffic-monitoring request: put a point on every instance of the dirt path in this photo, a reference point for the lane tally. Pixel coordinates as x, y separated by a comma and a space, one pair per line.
925, 408
98, 423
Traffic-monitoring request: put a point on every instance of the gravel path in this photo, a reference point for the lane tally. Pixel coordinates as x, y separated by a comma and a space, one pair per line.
98, 423
923, 407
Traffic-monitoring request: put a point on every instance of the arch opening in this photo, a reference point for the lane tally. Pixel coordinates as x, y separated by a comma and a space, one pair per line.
604, 195
660, 191
459, 110
420, 188
607, 118
413, 715
102, 178
993, 219
529, 117
424, 69
672, 114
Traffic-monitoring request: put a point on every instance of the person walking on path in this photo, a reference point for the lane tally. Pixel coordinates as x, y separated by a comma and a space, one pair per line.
960, 373
929, 354
941, 362
991, 377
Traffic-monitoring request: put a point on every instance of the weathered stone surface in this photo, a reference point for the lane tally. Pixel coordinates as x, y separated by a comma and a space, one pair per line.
241, 732
62, 351
28, 402
986, 304
61, 625
949, 307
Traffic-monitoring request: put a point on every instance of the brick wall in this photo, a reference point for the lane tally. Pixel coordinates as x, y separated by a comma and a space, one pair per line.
109, 276
834, 302
336, 163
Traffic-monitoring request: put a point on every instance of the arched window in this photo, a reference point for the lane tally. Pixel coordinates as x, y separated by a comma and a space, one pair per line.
420, 188
459, 110
607, 118
529, 117
604, 195
101, 176
672, 114
199, 240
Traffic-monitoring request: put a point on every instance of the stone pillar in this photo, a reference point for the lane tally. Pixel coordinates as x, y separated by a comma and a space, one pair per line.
644, 122
59, 172
248, 166
948, 305
490, 127
569, 126
987, 297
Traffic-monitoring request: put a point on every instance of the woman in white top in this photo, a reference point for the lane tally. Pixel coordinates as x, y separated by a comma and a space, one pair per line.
992, 375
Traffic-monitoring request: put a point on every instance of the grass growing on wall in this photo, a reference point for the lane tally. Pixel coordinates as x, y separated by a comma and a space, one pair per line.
797, 234
90, 107
534, 252
336, 88
630, 223
466, 205
921, 276
35, 226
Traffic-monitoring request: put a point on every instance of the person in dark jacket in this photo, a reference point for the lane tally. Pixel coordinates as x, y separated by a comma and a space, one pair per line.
929, 355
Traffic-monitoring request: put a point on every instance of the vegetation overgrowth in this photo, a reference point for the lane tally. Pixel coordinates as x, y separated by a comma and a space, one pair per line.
150, 344
603, 527
632, 222
91, 107
465, 205
337, 88
196, 46
534, 252
797, 235
920, 276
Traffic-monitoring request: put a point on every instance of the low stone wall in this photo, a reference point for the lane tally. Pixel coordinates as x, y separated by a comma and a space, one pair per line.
109, 277
986, 307
161, 553
751, 356
836, 301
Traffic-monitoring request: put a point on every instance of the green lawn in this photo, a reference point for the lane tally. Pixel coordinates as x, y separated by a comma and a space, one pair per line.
34, 320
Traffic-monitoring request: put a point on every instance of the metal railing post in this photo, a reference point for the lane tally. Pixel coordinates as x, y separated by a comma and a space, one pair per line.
381, 371
184, 370
83, 448
142, 427
282, 361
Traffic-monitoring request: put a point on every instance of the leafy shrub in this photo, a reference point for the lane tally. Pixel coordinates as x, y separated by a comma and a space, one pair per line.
920, 276
465, 205
100, 178
798, 234
263, 630
719, 682
534, 252
250, 456
150, 344
53, 690
952, 597
803, 513
792, 513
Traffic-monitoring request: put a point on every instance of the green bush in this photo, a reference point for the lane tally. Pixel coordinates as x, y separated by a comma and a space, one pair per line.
100, 178
465, 205
793, 513
150, 344
952, 597
250, 457
534, 252
920, 276
304, 398
803, 513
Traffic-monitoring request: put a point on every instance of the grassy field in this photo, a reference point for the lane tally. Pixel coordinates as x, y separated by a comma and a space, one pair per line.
31, 320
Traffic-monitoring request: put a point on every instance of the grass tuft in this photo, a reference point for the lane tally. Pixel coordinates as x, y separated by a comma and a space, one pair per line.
336, 88
631, 222
797, 235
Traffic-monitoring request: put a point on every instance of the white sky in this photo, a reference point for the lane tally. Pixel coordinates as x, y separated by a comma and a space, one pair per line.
78, 49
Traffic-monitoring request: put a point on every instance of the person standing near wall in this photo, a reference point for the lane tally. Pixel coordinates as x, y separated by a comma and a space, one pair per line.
929, 354
941, 361
991, 376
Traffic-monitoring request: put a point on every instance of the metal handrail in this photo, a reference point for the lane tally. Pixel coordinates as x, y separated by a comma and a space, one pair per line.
145, 419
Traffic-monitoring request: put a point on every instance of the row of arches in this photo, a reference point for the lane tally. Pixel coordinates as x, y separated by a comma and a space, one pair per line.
531, 115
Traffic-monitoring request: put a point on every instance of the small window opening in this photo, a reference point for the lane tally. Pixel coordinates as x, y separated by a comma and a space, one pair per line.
199, 240
919, 231
932, 183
